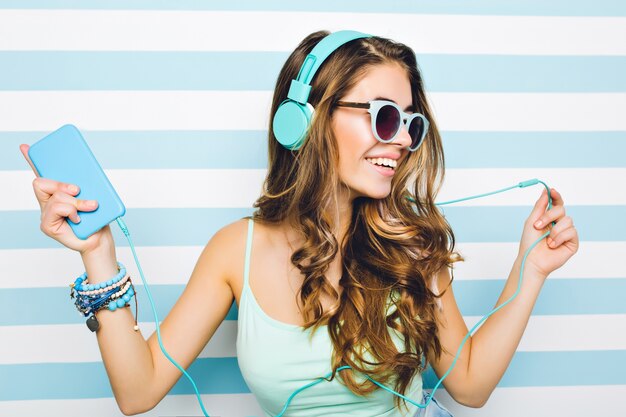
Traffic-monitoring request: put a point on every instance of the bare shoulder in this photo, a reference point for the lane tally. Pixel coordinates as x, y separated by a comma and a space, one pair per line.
226, 249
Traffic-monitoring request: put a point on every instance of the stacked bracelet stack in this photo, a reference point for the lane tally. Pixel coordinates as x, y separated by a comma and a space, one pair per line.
112, 294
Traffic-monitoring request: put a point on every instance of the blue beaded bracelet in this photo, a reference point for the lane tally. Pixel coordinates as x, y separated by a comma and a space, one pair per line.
78, 284
123, 300
89, 304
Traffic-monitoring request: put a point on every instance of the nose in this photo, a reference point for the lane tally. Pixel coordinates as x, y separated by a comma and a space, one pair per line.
403, 138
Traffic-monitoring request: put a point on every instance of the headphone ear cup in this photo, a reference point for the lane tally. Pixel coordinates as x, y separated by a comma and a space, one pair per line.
291, 123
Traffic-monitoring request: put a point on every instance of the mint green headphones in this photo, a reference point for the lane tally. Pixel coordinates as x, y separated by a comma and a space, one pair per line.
293, 116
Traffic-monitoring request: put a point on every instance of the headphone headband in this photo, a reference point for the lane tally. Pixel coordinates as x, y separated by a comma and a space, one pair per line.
301, 86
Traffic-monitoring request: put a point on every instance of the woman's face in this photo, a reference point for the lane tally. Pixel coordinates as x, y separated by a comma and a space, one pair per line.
358, 147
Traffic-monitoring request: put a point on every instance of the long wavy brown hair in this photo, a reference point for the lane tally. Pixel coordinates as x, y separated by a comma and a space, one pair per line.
394, 247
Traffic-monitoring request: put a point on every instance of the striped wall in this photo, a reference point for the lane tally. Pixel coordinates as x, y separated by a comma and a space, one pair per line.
173, 99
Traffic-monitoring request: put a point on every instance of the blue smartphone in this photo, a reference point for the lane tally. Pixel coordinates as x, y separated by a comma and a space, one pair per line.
64, 156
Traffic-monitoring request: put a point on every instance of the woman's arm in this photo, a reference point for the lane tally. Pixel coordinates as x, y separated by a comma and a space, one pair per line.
497, 339
139, 373
487, 354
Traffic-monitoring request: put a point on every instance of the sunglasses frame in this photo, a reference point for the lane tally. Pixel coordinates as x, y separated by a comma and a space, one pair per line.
374, 106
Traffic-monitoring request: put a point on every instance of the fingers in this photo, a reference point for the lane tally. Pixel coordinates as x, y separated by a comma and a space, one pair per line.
543, 217
59, 207
557, 199
556, 212
45, 188
562, 237
76, 204
540, 205
24, 149
559, 231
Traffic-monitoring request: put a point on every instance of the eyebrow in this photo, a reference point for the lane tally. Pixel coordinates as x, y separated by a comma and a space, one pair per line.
408, 108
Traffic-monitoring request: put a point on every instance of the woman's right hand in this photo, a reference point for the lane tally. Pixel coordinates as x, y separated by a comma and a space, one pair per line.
57, 202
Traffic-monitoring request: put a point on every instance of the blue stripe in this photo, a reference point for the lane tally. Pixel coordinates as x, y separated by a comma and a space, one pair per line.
223, 376
231, 71
480, 7
544, 369
89, 380
248, 149
534, 149
139, 70
474, 297
194, 226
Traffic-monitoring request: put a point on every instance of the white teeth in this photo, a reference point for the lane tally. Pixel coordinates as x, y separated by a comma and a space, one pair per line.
383, 161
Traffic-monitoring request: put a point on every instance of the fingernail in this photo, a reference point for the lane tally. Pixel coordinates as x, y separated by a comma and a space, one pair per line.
538, 223
73, 189
77, 219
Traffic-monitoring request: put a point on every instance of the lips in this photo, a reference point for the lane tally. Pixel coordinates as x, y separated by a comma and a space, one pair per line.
390, 155
383, 170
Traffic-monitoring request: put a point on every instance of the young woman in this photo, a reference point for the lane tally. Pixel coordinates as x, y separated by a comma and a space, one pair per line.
346, 260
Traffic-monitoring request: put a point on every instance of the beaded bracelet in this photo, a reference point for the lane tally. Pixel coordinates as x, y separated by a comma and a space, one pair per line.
96, 293
87, 305
78, 284
112, 294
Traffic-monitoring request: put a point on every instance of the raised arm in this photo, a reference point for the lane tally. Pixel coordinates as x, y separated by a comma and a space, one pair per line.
139, 372
487, 354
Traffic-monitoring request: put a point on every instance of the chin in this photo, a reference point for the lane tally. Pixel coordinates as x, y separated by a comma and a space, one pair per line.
376, 193
380, 196
373, 190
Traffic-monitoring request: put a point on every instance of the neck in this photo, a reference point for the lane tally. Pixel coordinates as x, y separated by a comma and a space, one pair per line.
340, 213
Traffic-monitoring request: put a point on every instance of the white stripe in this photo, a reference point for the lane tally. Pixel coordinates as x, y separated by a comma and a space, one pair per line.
226, 188
575, 332
574, 401
482, 261
74, 343
134, 110
131, 30
494, 261
221, 110
578, 186
162, 265
217, 405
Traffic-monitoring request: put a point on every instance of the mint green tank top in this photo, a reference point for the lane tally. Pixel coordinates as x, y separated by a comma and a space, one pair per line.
277, 358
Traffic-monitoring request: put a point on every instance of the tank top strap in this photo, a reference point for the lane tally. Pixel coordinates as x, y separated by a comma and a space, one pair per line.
246, 268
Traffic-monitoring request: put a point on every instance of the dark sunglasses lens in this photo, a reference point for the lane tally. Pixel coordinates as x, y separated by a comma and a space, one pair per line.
416, 130
387, 122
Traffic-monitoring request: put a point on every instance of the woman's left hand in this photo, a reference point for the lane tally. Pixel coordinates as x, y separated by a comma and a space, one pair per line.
560, 245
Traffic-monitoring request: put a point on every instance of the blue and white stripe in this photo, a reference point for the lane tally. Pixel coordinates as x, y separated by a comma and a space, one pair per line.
520, 90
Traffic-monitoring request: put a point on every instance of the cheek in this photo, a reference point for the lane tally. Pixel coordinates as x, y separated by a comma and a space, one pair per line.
354, 140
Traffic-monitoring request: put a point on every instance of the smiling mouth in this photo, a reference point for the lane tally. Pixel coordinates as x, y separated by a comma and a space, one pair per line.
390, 164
